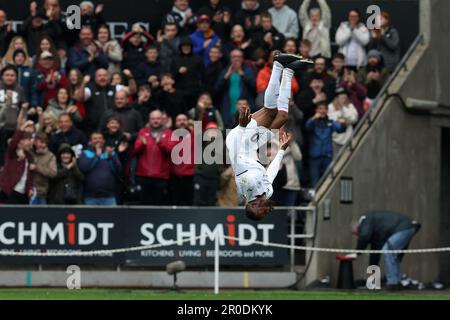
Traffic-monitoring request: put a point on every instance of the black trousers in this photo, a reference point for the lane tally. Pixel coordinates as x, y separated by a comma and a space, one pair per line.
205, 191
4, 137
153, 191
14, 198
181, 190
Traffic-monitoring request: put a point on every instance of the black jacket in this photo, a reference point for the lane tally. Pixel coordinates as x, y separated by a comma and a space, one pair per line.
212, 73
5, 38
73, 137
130, 120
114, 140
133, 56
168, 50
277, 38
94, 21
243, 14
33, 36
145, 108
172, 103
192, 80
376, 227
222, 29
101, 100
66, 183
147, 69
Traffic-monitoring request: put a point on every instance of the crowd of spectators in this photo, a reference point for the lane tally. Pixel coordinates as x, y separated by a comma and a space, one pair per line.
88, 119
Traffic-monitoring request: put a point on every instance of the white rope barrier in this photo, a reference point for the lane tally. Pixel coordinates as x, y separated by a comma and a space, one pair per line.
173, 242
348, 251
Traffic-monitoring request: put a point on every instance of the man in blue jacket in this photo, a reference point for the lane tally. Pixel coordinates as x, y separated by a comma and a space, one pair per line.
101, 167
87, 56
26, 77
320, 129
204, 38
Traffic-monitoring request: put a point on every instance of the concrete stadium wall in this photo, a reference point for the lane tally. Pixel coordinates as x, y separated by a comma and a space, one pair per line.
397, 165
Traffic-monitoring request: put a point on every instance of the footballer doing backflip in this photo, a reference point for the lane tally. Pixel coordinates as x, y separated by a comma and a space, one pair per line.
254, 182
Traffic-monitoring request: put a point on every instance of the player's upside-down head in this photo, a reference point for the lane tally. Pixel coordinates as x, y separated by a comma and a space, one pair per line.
259, 208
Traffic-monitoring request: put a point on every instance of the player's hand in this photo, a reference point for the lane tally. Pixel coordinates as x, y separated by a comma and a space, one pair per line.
244, 117
285, 140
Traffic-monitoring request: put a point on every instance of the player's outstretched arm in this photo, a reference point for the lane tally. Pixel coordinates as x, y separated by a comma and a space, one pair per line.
274, 167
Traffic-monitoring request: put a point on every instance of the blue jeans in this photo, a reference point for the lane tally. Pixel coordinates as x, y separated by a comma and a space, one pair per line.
317, 167
289, 198
111, 201
398, 241
38, 201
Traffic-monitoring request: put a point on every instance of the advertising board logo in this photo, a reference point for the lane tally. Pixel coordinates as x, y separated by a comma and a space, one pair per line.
70, 232
202, 234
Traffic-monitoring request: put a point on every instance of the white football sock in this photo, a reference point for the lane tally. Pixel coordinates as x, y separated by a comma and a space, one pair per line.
285, 90
273, 89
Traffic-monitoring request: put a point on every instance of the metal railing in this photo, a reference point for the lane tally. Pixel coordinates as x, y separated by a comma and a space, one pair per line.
366, 121
293, 236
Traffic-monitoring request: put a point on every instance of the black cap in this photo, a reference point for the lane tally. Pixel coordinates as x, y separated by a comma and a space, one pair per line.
341, 90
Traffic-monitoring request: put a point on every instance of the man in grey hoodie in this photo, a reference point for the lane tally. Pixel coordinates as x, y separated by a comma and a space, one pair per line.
284, 19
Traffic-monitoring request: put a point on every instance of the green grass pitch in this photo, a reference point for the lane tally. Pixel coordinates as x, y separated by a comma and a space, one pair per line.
122, 294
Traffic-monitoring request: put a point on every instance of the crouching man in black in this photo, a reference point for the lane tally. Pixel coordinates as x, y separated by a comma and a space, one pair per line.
384, 230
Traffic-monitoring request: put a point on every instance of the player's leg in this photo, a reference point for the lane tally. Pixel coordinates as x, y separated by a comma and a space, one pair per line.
266, 115
291, 63
283, 99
